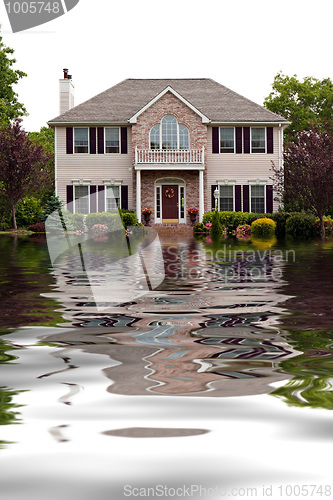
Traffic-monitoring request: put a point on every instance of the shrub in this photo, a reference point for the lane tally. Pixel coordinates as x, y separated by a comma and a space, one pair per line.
99, 229
280, 218
28, 211
53, 204
328, 223
109, 219
129, 218
263, 228
216, 229
77, 222
59, 221
39, 227
200, 228
301, 225
244, 230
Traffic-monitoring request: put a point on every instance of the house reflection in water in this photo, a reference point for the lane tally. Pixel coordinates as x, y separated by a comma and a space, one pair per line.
193, 335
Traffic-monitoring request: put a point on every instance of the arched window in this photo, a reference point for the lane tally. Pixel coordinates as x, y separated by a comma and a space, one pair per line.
169, 135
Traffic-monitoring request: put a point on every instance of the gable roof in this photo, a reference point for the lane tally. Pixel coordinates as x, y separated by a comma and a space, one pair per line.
124, 101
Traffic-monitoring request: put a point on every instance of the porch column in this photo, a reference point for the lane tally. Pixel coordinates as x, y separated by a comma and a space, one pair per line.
138, 195
201, 195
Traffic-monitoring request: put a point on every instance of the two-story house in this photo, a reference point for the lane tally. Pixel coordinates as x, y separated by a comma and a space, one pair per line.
166, 144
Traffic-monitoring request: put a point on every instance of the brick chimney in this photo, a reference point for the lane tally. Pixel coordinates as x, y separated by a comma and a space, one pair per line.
66, 92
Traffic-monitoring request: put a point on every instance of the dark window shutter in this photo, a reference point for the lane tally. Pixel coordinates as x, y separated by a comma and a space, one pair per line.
124, 197
70, 197
246, 131
238, 198
270, 140
215, 138
246, 198
92, 140
69, 140
239, 141
123, 133
92, 199
101, 206
269, 199
100, 140
213, 199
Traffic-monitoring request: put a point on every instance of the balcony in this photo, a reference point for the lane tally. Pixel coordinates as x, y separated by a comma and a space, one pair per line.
192, 159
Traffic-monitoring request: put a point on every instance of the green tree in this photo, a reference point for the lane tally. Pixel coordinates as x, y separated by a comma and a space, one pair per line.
10, 108
44, 138
23, 166
301, 102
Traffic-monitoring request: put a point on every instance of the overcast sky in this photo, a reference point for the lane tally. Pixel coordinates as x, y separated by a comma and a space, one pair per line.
241, 44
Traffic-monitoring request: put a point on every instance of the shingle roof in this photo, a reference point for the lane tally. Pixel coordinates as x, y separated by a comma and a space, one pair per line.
119, 103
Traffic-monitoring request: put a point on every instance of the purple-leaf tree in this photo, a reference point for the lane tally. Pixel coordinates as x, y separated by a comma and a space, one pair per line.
308, 171
23, 165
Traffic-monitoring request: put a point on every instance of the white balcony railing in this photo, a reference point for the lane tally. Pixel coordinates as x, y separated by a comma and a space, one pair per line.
169, 156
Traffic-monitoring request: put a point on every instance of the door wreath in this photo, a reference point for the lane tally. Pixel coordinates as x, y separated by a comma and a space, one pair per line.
169, 193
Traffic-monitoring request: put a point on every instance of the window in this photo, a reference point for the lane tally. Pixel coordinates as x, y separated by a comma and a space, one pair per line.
81, 199
112, 140
257, 199
158, 202
169, 135
81, 142
182, 202
112, 197
258, 140
227, 139
227, 198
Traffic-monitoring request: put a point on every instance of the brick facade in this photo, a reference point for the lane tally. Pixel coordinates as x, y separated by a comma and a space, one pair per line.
169, 104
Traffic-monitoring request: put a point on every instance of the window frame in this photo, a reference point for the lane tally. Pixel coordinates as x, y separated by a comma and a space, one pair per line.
160, 148
88, 142
255, 184
251, 141
227, 184
234, 141
76, 185
111, 185
119, 142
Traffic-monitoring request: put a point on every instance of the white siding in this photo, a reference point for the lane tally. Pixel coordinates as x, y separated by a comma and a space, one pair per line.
95, 168
241, 168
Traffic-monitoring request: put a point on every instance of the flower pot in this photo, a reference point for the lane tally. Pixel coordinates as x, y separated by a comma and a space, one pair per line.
193, 218
147, 219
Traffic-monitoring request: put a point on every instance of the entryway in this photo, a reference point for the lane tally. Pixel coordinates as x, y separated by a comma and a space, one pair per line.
170, 203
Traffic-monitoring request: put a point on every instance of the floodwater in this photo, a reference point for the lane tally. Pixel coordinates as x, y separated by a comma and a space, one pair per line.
216, 383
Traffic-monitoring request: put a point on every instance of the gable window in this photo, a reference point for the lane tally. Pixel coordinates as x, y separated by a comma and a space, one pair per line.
169, 135
258, 140
257, 194
112, 140
227, 139
112, 195
227, 198
81, 141
81, 199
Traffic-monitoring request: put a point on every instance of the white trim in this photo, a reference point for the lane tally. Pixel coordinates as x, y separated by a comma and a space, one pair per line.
227, 182
161, 135
80, 184
256, 152
119, 142
169, 166
204, 118
176, 181
234, 151
258, 182
88, 152
55, 162
138, 195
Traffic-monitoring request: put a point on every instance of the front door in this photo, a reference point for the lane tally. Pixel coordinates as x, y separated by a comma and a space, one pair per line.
170, 203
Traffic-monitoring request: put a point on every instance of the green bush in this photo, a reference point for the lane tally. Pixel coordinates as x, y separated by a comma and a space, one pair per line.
216, 229
129, 218
109, 219
263, 228
328, 223
200, 228
77, 221
28, 211
280, 218
52, 204
301, 225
